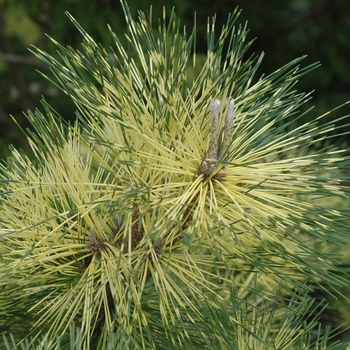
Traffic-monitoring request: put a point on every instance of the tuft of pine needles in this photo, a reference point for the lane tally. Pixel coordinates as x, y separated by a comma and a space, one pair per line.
187, 207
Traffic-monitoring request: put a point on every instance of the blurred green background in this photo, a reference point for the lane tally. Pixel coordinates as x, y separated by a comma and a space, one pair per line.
284, 30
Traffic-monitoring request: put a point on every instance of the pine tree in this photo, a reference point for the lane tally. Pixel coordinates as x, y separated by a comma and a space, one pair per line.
187, 207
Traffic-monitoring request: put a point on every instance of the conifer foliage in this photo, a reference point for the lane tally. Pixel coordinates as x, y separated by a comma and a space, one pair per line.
187, 207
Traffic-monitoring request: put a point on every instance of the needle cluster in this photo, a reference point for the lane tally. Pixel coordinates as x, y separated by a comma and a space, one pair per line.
187, 207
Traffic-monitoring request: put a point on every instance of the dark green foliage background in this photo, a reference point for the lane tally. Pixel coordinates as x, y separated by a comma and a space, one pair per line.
284, 30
